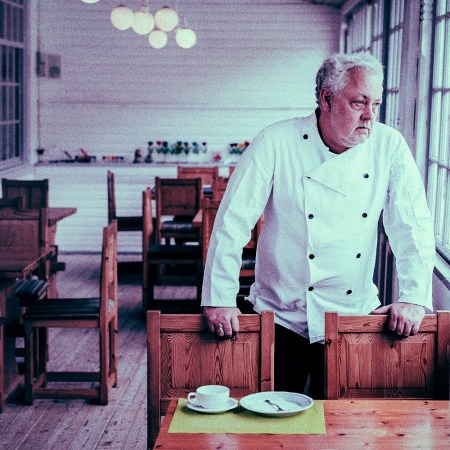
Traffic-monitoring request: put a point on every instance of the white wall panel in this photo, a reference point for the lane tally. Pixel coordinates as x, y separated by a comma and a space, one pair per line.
254, 63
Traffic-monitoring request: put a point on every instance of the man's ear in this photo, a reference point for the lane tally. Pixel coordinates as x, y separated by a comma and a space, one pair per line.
325, 99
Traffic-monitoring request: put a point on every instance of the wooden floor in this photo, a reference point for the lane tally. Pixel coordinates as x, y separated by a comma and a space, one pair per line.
79, 424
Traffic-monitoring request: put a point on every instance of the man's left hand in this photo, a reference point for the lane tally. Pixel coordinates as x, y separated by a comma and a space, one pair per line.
405, 318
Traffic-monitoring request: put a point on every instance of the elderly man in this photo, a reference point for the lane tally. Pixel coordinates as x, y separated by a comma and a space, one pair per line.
322, 182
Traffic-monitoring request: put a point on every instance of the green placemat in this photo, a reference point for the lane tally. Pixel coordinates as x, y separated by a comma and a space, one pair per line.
242, 421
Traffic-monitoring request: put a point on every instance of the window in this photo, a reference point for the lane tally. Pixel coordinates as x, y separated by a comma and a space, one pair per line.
439, 137
11, 81
367, 32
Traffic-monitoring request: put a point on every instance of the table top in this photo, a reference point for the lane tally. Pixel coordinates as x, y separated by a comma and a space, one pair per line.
57, 214
350, 424
20, 268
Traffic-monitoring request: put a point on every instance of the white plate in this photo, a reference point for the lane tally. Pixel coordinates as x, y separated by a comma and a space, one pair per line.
232, 403
291, 403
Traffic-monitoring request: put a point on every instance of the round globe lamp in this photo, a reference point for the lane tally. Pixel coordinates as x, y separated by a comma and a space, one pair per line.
157, 39
143, 21
122, 17
185, 38
166, 18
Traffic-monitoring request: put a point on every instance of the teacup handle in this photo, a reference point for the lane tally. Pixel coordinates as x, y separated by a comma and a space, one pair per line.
192, 398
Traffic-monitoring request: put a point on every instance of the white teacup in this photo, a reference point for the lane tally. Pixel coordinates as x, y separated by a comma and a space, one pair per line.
211, 396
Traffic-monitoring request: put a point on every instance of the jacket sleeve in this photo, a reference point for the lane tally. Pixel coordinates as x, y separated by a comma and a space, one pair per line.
242, 205
409, 226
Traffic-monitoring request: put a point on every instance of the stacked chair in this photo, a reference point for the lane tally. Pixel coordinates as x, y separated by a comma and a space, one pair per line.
168, 264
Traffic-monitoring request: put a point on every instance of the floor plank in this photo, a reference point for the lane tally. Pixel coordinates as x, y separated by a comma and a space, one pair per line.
79, 424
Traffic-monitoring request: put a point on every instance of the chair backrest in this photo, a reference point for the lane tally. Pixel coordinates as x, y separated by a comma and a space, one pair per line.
364, 359
219, 186
112, 213
205, 173
35, 191
24, 235
209, 212
177, 197
108, 278
14, 203
147, 231
183, 355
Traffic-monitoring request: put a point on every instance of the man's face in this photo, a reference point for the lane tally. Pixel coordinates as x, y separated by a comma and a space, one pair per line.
351, 113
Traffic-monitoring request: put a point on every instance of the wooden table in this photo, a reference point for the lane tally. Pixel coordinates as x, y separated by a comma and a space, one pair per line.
10, 271
350, 424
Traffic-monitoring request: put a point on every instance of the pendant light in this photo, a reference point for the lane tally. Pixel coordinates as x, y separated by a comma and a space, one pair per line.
122, 17
166, 18
143, 21
90, 1
185, 37
157, 39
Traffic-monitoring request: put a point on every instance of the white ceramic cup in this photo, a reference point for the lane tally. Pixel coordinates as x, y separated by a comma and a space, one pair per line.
210, 396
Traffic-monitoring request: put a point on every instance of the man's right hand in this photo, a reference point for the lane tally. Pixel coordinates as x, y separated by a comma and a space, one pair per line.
222, 320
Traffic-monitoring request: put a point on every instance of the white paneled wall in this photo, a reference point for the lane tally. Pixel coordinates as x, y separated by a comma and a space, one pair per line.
254, 63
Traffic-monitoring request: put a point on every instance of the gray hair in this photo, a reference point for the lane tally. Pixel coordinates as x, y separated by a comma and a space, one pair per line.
333, 73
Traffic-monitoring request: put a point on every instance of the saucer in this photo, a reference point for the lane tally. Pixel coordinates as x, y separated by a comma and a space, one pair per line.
232, 403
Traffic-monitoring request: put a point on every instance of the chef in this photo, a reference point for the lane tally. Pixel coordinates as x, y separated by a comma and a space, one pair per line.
322, 182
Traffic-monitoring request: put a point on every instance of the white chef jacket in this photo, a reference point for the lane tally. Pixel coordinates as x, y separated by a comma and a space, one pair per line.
317, 248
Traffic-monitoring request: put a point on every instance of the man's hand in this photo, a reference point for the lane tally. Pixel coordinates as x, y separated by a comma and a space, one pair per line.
222, 320
405, 318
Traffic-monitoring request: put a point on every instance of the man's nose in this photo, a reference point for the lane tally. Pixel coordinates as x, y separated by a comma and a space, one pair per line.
369, 112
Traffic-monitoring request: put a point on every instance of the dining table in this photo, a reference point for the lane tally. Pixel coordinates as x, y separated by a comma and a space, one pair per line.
12, 270
348, 424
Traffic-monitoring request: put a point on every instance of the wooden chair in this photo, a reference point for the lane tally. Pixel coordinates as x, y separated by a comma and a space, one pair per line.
219, 186
365, 360
205, 173
24, 236
99, 313
209, 211
183, 355
157, 257
180, 198
35, 192
124, 223
13, 203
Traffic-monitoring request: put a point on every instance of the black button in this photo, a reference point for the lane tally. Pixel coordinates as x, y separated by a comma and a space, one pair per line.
364, 215
349, 292
311, 288
305, 136
311, 256
358, 255
366, 175
311, 216
308, 177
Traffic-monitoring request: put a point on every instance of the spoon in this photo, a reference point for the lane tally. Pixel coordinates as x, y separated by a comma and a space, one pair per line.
274, 404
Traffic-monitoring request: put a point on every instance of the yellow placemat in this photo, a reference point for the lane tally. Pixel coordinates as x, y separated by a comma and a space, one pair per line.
242, 421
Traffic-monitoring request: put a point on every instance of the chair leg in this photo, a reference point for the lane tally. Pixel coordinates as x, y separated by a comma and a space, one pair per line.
104, 365
114, 342
29, 364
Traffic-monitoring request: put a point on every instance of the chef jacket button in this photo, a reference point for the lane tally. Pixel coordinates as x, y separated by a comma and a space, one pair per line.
364, 215
366, 175
305, 136
311, 256
349, 292
311, 288
358, 255
311, 216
